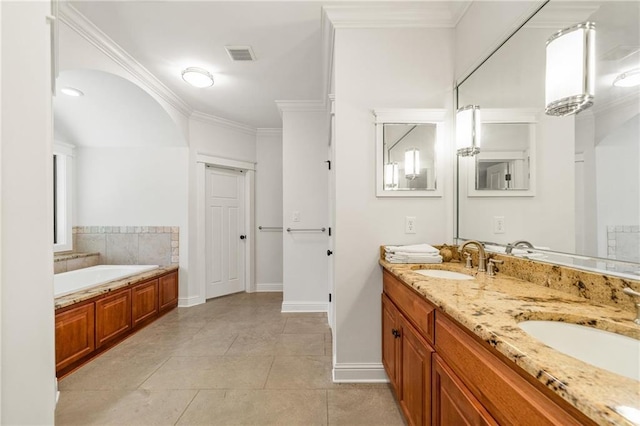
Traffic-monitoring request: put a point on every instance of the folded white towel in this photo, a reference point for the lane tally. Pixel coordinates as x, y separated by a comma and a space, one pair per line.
416, 248
404, 253
413, 259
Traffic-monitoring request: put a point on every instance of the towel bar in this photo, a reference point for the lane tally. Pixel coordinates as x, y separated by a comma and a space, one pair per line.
306, 229
270, 228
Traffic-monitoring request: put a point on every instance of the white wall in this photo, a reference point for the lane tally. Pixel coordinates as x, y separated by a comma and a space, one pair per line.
379, 68
269, 209
305, 138
135, 186
484, 25
27, 318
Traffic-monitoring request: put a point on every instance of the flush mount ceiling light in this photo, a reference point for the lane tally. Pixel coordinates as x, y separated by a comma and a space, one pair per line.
570, 71
628, 79
468, 135
197, 77
71, 91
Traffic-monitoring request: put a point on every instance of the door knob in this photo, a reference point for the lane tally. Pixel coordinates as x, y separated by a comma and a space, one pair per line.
329, 252
242, 237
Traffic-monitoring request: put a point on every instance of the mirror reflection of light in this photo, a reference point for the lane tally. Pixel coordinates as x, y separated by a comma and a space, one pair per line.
391, 175
628, 79
412, 163
630, 413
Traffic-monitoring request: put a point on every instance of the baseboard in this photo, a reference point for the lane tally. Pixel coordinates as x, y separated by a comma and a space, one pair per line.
359, 373
186, 302
304, 307
269, 287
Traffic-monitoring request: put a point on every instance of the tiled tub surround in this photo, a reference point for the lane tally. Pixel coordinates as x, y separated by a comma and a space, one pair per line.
130, 245
492, 307
71, 261
623, 242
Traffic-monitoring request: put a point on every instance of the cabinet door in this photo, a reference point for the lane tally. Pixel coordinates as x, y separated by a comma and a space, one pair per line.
168, 291
453, 403
415, 375
113, 316
390, 347
144, 302
74, 335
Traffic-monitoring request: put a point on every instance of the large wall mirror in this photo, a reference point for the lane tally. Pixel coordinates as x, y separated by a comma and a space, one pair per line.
586, 201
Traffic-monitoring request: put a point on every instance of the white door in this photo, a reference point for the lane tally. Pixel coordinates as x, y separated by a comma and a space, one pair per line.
332, 213
225, 239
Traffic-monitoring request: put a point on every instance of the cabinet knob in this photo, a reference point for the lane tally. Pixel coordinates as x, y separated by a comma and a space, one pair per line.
395, 333
329, 252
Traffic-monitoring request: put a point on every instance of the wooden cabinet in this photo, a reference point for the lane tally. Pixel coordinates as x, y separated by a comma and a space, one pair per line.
144, 302
90, 327
453, 403
74, 334
406, 357
463, 381
168, 291
113, 316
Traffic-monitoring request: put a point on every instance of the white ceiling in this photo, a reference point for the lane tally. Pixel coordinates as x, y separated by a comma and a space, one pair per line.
168, 36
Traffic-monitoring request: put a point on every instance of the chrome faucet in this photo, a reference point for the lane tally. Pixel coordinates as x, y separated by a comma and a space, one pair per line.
481, 253
520, 243
630, 292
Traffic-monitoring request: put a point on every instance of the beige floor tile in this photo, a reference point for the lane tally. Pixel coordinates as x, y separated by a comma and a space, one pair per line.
300, 344
258, 407
371, 407
254, 344
213, 372
305, 325
113, 373
204, 345
136, 407
300, 372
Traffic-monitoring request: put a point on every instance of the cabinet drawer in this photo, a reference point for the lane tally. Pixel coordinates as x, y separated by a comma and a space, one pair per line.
413, 305
505, 394
74, 334
144, 302
113, 316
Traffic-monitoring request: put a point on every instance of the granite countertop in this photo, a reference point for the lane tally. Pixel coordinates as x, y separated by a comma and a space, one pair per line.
73, 255
491, 307
86, 294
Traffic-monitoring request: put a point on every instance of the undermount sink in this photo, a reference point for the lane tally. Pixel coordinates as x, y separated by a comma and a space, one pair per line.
448, 275
610, 351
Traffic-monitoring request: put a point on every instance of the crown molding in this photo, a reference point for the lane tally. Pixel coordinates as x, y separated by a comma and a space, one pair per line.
268, 132
559, 15
301, 106
223, 122
90, 32
422, 15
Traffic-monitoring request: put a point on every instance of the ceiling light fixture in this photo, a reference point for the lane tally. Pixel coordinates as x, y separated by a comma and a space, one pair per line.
570, 73
628, 79
197, 77
71, 91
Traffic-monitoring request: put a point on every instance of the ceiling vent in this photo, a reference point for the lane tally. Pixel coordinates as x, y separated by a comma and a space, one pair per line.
240, 53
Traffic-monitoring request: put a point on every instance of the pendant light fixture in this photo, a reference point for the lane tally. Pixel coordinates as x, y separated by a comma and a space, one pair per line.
570, 70
468, 134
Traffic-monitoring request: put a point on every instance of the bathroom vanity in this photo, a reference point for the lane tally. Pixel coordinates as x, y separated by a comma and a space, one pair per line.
454, 352
90, 321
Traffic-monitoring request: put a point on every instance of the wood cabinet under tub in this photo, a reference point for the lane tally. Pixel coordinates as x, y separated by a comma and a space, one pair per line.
442, 374
88, 328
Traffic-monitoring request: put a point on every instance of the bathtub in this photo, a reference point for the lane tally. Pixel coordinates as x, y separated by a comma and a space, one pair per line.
80, 279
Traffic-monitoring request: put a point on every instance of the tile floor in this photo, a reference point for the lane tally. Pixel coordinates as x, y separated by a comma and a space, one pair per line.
236, 360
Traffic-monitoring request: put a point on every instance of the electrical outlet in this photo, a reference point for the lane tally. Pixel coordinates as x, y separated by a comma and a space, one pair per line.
410, 225
498, 225
295, 216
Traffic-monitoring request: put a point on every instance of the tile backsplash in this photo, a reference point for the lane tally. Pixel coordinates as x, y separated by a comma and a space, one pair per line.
130, 245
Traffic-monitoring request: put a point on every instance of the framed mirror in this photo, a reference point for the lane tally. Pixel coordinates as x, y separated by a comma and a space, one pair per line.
586, 182
408, 142
506, 164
